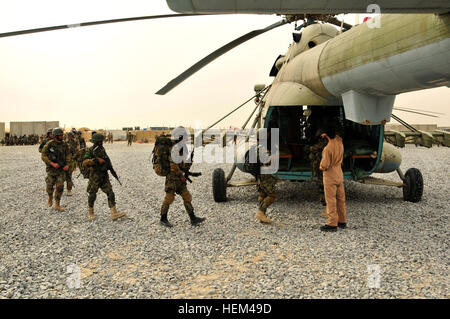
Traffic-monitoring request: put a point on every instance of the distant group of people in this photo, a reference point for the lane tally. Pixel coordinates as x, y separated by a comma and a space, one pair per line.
62, 154
11, 140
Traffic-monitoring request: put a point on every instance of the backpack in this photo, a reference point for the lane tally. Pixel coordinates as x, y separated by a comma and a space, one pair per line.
161, 155
85, 171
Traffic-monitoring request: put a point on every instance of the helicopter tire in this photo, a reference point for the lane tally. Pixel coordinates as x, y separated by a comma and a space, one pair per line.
219, 184
413, 185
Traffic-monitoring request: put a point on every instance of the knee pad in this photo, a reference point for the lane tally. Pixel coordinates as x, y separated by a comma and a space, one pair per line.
168, 199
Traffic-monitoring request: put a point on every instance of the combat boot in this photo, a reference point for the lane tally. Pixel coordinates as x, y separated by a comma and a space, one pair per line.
50, 200
195, 220
262, 217
115, 214
164, 221
58, 206
91, 213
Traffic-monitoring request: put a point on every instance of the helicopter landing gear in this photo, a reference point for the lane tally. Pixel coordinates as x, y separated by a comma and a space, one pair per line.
219, 184
412, 185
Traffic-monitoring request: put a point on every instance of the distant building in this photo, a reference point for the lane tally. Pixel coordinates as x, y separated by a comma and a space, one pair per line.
28, 128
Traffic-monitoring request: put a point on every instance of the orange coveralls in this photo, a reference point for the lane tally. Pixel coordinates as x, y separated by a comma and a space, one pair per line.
333, 181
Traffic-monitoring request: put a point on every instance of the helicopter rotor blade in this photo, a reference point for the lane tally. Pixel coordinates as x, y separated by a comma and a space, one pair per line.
214, 55
91, 23
409, 111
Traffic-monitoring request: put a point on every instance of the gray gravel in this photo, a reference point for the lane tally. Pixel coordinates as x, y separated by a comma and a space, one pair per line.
230, 255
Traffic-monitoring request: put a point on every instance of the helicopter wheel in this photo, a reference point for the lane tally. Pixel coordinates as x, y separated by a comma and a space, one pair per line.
413, 185
219, 184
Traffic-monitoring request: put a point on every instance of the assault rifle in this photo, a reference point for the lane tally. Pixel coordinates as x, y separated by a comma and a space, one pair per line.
187, 173
107, 166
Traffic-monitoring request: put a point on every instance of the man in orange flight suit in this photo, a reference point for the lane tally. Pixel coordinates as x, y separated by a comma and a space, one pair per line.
333, 181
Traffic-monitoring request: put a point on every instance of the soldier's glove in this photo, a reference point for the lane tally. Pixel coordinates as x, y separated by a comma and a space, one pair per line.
55, 165
183, 179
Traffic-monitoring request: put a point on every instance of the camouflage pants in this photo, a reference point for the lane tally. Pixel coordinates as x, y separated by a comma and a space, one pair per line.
266, 191
69, 173
101, 181
57, 179
174, 185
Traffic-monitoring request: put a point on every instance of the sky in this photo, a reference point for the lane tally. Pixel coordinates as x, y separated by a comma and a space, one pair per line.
106, 76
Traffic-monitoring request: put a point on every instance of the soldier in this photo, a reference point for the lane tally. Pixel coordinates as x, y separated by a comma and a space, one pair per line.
176, 184
56, 155
129, 138
96, 159
315, 156
266, 186
46, 140
74, 147
81, 140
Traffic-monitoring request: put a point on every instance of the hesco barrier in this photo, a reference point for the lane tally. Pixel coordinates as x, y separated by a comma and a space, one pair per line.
28, 128
2, 130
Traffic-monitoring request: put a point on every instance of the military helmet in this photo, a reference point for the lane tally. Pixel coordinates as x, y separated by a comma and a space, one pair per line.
97, 137
70, 134
57, 131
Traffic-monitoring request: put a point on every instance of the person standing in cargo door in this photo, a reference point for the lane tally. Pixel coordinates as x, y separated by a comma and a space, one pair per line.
333, 180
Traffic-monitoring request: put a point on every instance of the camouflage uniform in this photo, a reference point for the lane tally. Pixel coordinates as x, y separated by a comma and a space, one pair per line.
176, 184
81, 141
55, 176
73, 149
98, 177
129, 138
267, 192
97, 162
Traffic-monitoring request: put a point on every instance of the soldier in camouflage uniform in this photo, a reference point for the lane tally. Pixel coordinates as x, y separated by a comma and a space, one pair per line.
95, 159
267, 192
176, 184
46, 140
81, 140
74, 147
56, 156
129, 138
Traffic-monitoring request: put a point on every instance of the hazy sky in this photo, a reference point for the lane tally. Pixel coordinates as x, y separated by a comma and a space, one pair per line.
106, 76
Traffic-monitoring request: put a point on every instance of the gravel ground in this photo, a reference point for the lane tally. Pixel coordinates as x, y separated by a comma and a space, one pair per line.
230, 255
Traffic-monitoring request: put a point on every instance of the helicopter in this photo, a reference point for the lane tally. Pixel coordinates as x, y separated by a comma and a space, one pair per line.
348, 75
